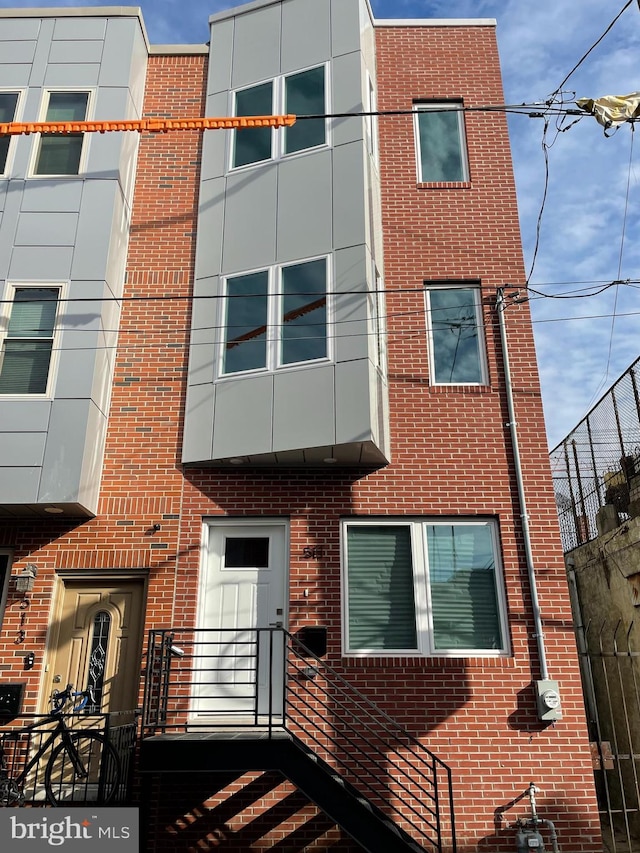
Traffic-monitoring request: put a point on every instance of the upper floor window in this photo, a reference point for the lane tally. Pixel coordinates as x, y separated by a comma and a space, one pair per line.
27, 348
61, 153
423, 586
456, 346
302, 93
440, 142
8, 108
276, 317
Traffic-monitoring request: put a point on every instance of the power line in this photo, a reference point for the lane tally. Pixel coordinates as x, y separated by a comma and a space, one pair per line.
593, 46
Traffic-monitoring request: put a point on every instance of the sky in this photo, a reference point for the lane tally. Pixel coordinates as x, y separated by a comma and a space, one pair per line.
588, 230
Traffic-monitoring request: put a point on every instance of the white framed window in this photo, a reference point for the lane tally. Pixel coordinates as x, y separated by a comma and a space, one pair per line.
455, 334
377, 310
62, 153
9, 106
276, 317
5, 572
416, 586
371, 120
29, 331
301, 93
441, 147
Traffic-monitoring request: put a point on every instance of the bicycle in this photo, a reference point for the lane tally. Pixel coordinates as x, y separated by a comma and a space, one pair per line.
83, 766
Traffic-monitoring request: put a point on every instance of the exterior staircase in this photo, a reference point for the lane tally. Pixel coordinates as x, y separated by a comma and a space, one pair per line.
379, 784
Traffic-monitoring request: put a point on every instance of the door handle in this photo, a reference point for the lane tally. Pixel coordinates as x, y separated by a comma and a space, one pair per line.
275, 624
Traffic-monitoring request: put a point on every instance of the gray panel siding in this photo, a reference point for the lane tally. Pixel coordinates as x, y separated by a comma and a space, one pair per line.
345, 27
210, 223
220, 58
304, 408
41, 58
243, 416
348, 195
40, 263
23, 448
351, 309
74, 230
304, 207
347, 97
80, 29
64, 450
306, 34
250, 219
72, 76
215, 145
18, 29
24, 416
51, 196
256, 46
198, 428
353, 401
19, 52
311, 204
42, 229
96, 220
19, 485
75, 51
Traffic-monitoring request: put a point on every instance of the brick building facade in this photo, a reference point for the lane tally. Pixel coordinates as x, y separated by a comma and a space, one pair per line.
389, 452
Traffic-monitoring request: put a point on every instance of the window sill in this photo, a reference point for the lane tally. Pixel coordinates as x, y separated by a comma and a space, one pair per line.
498, 660
460, 389
444, 185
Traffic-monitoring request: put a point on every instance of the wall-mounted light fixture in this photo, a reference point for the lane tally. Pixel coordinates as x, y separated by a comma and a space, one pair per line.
26, 578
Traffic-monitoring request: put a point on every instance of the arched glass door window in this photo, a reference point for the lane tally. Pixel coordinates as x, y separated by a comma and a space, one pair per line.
98, 659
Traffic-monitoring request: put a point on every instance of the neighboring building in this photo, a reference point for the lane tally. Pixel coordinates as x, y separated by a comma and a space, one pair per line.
596, 472
257, 379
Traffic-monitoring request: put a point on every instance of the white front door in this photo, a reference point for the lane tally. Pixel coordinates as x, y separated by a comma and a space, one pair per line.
240, 669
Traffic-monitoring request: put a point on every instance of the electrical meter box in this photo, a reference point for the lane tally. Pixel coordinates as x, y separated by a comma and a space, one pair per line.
548, 700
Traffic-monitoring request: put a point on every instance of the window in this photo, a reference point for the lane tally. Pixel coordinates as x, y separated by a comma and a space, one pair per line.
8, 107
378, 321
456, 354
302, 93
60, 154
423, 587
371, 120
440, 143
27, 348
276, 317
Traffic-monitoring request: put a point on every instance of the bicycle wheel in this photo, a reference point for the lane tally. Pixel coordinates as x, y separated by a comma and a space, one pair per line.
10, 793
98, 765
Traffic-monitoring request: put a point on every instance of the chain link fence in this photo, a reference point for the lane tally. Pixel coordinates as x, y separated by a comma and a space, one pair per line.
594, 464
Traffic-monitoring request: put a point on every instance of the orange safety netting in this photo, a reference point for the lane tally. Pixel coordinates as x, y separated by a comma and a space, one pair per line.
145, 125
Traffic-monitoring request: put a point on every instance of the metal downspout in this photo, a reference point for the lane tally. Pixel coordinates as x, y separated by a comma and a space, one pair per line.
513, 427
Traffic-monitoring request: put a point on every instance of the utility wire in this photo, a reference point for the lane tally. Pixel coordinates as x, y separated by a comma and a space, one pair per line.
593, 46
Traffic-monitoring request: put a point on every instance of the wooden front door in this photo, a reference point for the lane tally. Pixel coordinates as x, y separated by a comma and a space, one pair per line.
96, 641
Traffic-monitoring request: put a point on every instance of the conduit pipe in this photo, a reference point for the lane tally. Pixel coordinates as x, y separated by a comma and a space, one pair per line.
513, 428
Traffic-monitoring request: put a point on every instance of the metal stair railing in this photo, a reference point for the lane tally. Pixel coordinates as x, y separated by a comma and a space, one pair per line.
269, 678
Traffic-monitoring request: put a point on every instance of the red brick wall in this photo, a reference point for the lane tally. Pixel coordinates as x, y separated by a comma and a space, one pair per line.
451, 457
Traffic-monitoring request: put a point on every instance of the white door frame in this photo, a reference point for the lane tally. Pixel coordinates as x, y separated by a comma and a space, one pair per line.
281, 525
